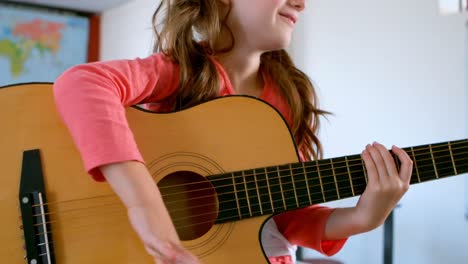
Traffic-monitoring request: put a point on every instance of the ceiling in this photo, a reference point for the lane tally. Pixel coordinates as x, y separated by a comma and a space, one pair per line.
93, 6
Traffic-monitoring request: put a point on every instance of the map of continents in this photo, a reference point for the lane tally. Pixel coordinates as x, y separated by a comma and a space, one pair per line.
37, 46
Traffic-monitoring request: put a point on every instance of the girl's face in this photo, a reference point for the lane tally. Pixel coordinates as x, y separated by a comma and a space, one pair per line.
264, 25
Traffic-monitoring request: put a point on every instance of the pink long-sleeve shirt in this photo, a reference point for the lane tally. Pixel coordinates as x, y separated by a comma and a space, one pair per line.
91, 99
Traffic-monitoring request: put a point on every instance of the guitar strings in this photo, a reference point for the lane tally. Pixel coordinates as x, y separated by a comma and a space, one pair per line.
270, 193
176, 219
253, 182
245, 190
314, 164
279, 171
200, 197
259, 204
330, 183
283, 200
273, 201
253, 214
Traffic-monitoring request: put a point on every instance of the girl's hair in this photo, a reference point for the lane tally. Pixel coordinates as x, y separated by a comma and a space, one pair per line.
187, 33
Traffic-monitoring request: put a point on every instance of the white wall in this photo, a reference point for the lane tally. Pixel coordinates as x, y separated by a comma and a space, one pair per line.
391, 71
452, 6
126, 30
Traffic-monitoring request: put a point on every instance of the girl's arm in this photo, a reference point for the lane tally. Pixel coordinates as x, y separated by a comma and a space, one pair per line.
146, 211
91, 99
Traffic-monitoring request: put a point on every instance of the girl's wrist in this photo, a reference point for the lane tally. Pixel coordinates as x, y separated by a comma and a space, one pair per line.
359, 220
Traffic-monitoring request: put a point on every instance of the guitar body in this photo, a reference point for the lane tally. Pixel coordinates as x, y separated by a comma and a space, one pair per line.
87, 221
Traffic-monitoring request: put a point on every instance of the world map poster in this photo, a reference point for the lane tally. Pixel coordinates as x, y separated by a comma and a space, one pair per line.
37, 45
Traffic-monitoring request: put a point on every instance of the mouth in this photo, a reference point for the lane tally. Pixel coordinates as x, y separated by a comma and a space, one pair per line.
290, 18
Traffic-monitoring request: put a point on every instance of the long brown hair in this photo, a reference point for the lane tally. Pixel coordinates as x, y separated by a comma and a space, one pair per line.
187, 32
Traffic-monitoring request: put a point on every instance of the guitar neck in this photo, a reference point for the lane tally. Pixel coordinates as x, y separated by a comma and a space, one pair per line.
274, 189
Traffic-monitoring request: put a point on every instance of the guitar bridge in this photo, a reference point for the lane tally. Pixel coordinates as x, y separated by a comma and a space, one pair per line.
34, 211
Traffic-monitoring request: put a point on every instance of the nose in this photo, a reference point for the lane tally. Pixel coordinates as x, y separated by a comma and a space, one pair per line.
299, 5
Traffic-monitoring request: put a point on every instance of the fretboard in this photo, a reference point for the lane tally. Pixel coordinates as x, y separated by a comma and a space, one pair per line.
274, 189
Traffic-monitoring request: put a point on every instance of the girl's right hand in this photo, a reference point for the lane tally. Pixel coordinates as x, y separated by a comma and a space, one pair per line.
164, 251
147, 213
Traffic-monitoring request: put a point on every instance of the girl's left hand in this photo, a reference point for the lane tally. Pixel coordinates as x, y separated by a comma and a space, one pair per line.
386, 185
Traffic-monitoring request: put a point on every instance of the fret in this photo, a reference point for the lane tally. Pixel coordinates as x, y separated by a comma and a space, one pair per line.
252, 194
287, 187
460, 155
451, 157
247, 193
357, 172
425, 163
281, 187
300, 183
258, 183
442, 160
275, 187
320, 179
269, 191
314, 183
349, 175
415, 163
258, 193
253, 200
266, 205
326, 173
241, 194
293, 185
235, 193
307, 183
364, 169
229, 208
433, 162
342, 177
334, 178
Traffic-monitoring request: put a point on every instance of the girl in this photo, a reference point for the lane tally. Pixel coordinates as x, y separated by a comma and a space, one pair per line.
205, 49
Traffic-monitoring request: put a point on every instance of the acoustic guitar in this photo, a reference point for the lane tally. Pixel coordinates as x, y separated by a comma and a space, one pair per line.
223, 167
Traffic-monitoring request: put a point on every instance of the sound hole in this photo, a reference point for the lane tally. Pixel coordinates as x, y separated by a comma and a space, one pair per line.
191, 202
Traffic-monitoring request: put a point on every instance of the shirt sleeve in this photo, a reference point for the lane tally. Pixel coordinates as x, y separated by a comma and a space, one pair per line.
306, 226
91, 100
